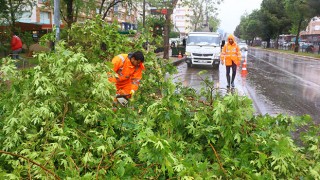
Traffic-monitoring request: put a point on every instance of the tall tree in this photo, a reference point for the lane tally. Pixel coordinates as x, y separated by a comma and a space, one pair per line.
250, 26
107, 6
213, 23
299, 13
278, 19
202, 10
314, 6
166, 30
237, 32
71, 9
3, 9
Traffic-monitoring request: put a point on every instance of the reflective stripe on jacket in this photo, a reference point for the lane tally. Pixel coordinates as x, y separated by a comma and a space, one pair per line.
128, 76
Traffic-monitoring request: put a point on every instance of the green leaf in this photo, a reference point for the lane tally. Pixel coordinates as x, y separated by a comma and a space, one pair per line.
87, 158
159, 144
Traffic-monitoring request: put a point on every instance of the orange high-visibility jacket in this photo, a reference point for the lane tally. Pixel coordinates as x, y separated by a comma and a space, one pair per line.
231, 52
128, 76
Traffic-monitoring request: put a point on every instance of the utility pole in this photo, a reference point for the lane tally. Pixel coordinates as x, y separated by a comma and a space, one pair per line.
57, 19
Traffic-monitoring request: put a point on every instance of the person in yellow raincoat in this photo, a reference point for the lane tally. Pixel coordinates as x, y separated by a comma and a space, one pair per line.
231, 57
128, 69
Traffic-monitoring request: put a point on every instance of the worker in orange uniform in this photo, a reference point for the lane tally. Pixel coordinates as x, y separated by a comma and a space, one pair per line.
231, 57
128, 69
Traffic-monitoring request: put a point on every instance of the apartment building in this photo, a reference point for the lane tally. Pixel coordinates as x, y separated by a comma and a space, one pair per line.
42, 16
181, 20
313, 26
312, 32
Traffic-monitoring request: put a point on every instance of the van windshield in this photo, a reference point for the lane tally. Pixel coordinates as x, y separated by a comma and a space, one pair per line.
203, 40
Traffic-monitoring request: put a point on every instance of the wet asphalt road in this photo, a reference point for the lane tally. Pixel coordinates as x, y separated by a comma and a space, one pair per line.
277, 83
287, 84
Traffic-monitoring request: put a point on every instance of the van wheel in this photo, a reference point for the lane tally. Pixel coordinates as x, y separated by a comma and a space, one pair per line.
189, 65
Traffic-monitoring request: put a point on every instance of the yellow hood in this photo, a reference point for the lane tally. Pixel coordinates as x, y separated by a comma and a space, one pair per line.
231, 37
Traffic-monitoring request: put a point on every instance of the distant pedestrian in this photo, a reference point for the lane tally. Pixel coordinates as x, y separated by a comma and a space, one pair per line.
231, 56
173, 44
223, 42
16, 46
184, 42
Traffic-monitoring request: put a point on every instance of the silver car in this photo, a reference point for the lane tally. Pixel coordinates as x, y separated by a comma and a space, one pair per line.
243, 46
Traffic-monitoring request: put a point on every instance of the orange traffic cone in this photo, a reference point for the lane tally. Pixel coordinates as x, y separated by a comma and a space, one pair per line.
244, 71
179, 56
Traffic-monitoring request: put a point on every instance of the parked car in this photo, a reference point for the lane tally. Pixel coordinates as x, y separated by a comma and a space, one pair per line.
243, 46
309, 49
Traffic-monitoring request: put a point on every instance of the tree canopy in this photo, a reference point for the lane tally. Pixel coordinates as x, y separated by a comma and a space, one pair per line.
276, 17
204, 13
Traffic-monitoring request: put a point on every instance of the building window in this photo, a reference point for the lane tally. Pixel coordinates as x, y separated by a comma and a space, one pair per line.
179, 17
25, 17
317, 28
116, 8
42, 1
109, 14
45, 17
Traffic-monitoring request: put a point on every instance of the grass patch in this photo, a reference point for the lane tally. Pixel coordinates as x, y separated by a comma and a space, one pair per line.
313, 55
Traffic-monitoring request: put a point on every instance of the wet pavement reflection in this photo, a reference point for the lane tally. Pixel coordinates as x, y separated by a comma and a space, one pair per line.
277, 83
288, 84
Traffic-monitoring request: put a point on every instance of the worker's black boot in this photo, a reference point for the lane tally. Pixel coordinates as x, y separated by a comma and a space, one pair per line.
228, 80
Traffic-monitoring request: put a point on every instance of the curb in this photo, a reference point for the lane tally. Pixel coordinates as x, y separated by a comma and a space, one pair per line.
177, 62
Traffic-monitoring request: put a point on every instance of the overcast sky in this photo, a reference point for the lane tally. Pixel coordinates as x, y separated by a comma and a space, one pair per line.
231, 11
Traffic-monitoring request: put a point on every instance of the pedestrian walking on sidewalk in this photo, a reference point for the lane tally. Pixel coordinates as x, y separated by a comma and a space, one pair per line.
231, 57
16, 46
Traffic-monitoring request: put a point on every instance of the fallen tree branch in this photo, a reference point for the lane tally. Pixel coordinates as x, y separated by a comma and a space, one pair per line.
33, 162
220, 164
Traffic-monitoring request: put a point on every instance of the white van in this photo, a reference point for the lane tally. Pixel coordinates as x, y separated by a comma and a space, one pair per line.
203, 48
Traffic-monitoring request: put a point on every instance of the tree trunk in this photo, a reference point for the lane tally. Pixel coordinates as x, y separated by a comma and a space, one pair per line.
296, 48
277, 42
69, 13
268, 43
12, 16
166, 30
